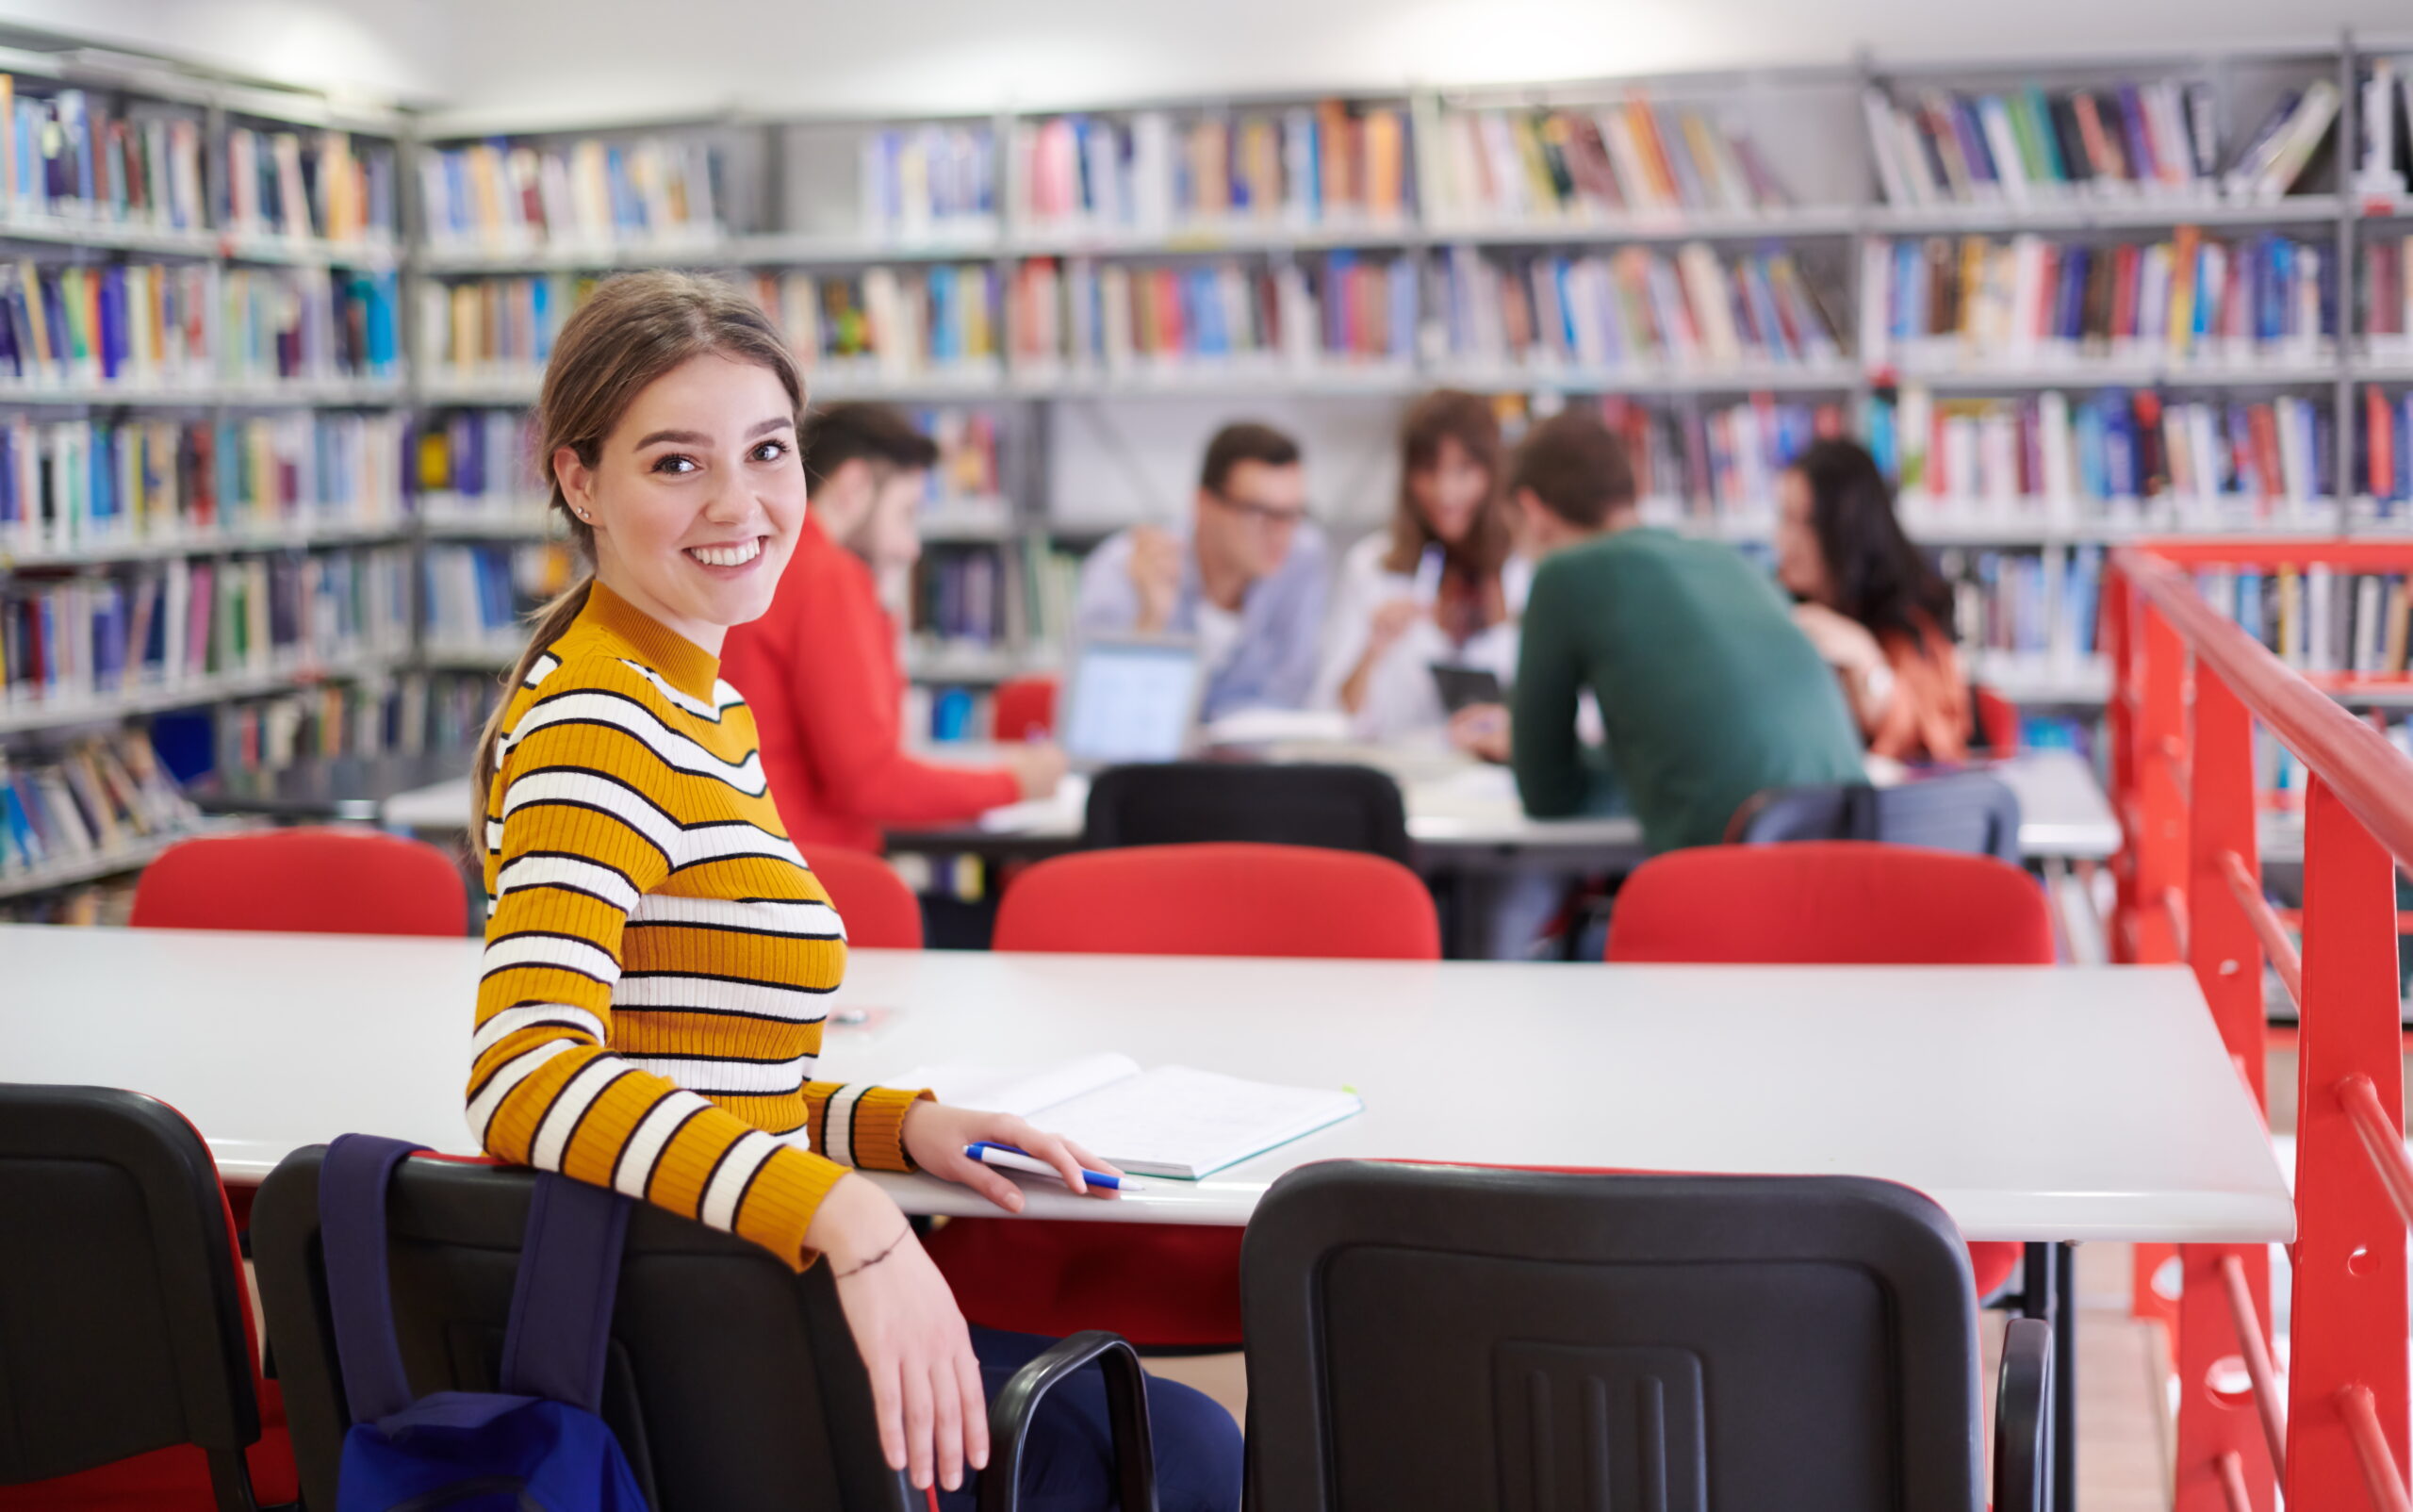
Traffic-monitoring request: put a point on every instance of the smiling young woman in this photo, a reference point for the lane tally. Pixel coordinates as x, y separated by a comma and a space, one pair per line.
657, 952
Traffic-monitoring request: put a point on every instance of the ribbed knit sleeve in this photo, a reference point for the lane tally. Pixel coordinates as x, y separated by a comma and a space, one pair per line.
600, 801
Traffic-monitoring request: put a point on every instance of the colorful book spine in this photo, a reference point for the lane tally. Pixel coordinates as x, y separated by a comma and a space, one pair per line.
597, 193
892, 324
1630, 158
102, 795
930, 183
1636, 310
1157, 174
1082, 318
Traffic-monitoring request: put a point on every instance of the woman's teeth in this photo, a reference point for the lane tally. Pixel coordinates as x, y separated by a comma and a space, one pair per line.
727, 555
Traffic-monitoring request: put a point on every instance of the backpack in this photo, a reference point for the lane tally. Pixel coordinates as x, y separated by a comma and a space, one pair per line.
538, 1445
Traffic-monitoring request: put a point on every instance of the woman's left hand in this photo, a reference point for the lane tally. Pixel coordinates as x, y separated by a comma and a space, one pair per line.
935, 1137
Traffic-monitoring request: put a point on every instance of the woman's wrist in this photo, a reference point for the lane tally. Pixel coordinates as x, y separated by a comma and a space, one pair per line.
854, 1221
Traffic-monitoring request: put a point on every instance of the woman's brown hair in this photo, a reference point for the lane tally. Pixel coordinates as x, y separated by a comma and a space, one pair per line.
1451, 415
630, 332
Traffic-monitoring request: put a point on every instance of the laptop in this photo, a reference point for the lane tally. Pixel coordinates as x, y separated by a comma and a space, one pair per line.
1130, 699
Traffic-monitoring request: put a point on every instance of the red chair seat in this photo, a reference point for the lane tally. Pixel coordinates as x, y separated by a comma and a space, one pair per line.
323, 880
882, 913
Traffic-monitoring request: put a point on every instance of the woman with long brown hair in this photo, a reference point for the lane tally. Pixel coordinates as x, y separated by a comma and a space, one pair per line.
649, 1010
1441, 586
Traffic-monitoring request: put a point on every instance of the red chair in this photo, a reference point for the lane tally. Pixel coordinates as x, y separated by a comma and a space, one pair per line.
304, 881
1221, 900
1997, 719
1167, 1284
882, 913
1839, 902
1026, 709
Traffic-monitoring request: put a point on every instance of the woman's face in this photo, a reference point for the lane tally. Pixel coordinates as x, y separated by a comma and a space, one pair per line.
1451, 493
1800, 566
696, 497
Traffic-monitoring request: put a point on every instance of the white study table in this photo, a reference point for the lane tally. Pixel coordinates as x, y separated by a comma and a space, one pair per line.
1456, 806
2135, 1128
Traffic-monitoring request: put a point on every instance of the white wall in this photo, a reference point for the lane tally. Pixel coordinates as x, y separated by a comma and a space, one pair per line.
381, 50
556, 58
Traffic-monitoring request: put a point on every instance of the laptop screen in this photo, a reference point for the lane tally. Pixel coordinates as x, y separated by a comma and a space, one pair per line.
1130, 701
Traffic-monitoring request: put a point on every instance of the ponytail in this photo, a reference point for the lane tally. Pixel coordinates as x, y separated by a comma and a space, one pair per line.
550, 623
627, 333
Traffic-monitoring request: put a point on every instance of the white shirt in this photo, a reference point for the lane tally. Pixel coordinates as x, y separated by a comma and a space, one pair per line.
1218, 635
1401, 702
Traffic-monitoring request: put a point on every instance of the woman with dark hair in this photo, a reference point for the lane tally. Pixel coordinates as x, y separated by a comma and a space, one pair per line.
1870, 601
1441, 585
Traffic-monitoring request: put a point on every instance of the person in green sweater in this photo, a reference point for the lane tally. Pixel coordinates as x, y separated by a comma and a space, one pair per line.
1708, 693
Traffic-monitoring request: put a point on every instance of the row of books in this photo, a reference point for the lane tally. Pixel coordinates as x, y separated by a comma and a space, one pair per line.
2383, 446
77, 485
2037, 607
929, 182
2158, 140
590, 192
2384, 154
967, 469
150, 326
476, 596
96, 797
1717, 459
1154, 172
479, 458
2315, 617
70, 154
185, 620
1627, 158
1637, 307
2191, 299
2118, 447
405, 713
301, 185
960, 596
2384, 295
890, 322
481, 325
1051, 582
1083, 317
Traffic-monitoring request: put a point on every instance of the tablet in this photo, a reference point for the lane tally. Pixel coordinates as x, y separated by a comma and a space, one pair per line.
1463, 686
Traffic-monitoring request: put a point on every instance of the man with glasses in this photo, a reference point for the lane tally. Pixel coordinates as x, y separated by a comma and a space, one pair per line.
1249, 582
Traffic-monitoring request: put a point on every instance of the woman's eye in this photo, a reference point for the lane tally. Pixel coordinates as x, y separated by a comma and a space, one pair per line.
674, 464
770, 451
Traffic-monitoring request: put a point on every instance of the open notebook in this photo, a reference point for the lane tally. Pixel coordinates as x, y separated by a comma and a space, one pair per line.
1168, 1122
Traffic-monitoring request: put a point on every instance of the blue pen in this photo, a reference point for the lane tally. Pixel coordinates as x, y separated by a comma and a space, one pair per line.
1007, 1157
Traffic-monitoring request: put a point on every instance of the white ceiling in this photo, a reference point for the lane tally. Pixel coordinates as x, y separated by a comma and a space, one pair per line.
567, 59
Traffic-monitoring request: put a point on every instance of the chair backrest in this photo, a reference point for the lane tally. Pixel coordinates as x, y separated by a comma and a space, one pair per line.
1838, 902
1429, 1336
123, 1315
1282, 803
731, 1382
1959, 811
879, 911
1226, 899
308, 880
1024, 709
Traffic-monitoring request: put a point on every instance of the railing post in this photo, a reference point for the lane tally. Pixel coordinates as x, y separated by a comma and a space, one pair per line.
2155, 857
2227, 959
2349, 1322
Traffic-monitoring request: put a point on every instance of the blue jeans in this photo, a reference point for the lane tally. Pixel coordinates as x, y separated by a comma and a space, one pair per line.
1068, 1462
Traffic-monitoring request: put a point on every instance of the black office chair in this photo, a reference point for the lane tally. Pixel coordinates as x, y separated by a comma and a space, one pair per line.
731, 1382
1283, 803
1433, 1336
1959, 811
121, 1327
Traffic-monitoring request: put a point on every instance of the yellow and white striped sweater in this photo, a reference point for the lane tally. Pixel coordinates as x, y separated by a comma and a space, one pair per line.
657, 953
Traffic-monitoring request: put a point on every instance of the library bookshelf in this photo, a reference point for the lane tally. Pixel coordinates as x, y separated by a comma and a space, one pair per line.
1725, 263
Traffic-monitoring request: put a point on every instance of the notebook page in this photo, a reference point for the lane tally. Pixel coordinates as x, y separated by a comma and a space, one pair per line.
1022, 1092
1177, 1122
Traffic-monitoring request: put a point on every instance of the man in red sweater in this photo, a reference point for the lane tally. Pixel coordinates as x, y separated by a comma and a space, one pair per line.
820, 669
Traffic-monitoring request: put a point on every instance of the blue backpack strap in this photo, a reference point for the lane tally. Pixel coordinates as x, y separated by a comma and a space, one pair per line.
351, 1236
561, 1306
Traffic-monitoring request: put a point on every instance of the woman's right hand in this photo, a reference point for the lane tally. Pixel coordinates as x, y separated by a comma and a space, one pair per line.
915, 1346
1389, 623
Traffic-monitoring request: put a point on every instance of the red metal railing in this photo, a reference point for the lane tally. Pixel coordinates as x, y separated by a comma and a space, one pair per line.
2188, 688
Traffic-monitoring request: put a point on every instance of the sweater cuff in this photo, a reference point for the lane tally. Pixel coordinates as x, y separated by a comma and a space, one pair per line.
788, 1191
864, 1127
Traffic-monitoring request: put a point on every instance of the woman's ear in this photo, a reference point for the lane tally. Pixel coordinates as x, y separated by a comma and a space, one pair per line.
578, 482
